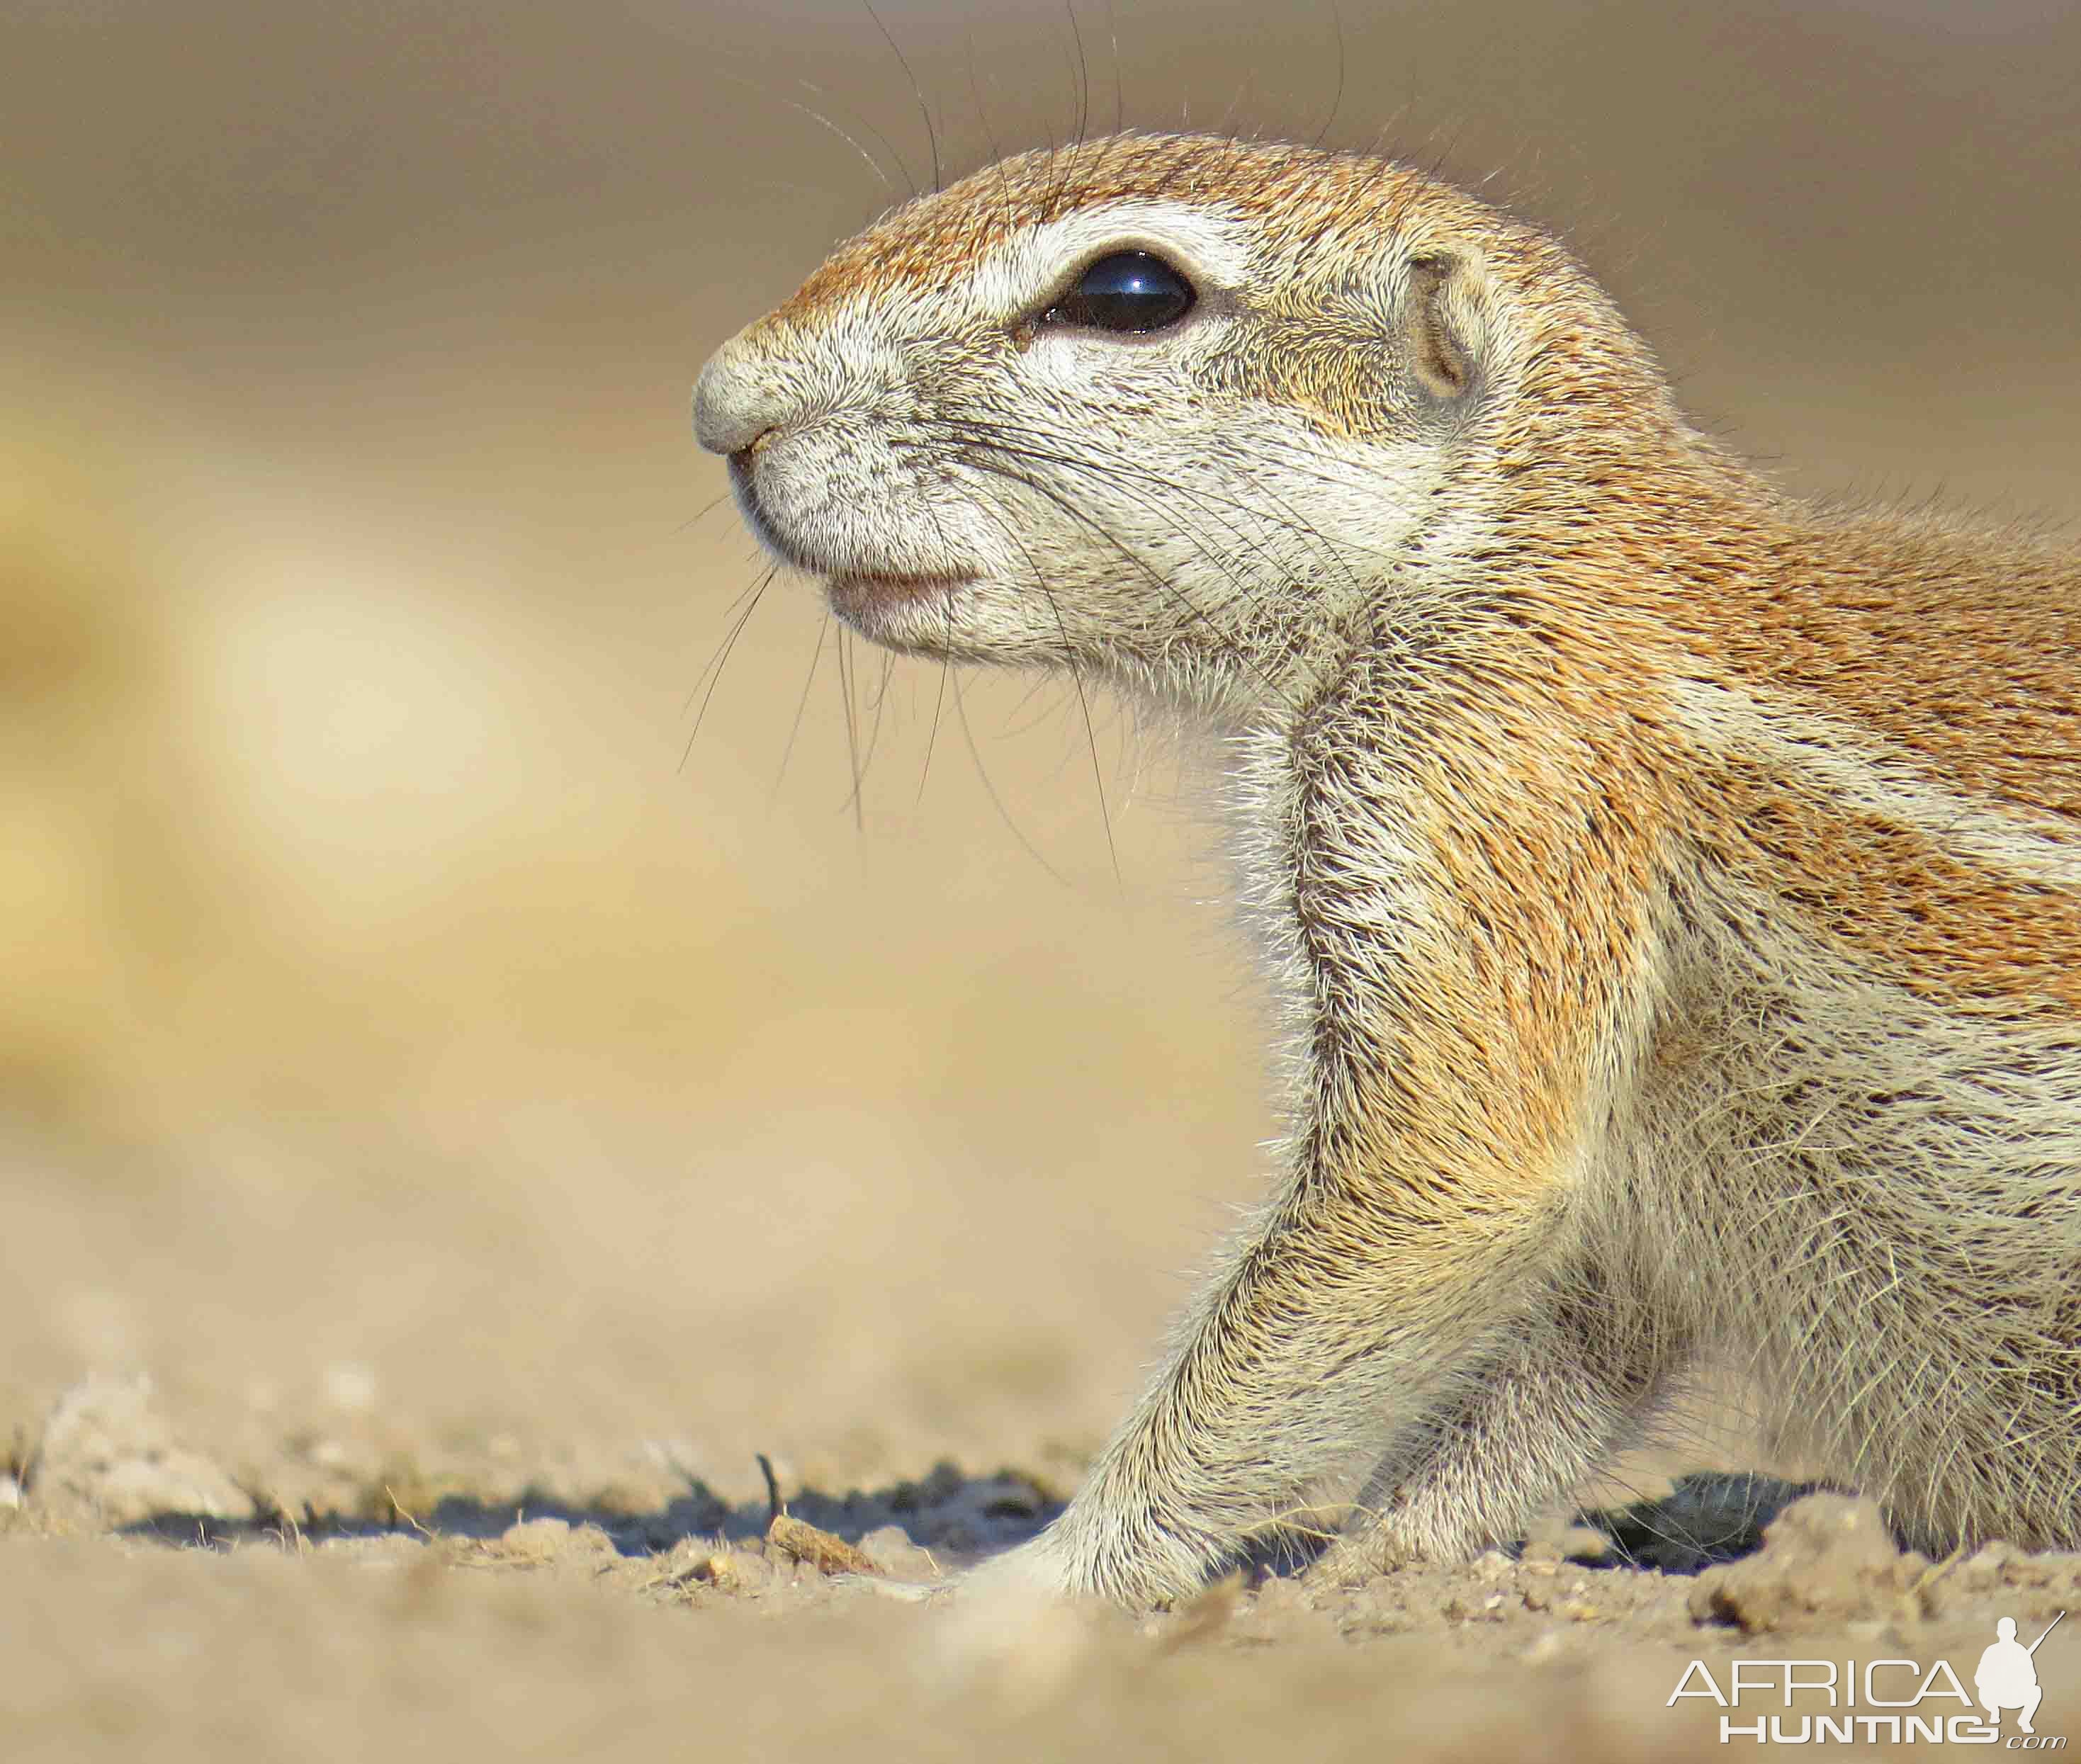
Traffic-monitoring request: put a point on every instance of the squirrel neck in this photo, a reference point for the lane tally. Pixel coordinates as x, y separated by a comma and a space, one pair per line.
1544, 528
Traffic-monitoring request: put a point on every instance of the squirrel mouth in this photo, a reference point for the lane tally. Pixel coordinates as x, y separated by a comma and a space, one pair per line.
871, 587
851, 590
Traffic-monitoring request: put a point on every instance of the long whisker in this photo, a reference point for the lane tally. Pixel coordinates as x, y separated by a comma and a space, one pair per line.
874, 727
802, 703
823, 121
1038, 682
713, 671
852, 728
990, 790
1098, 774
917, 91
1225, 639
1083, 74
695, 520
729, 615
1016, 720
1119, 93
871, 126
1111, 468
990, 136
1333, 555
1291, 460
932, 736
992, 439
1105, 473
1077, 678
1226, 125
1337, 101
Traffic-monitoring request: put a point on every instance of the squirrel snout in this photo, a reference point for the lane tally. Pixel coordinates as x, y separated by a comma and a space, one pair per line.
733, 405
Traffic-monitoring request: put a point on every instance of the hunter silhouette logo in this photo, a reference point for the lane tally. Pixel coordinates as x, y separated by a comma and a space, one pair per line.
2008, 1675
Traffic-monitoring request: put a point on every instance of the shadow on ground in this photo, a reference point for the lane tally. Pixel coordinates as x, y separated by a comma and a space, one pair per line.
1706, 1519
945, 1511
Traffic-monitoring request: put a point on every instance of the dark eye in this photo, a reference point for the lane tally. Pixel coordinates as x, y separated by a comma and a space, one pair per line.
1130, 291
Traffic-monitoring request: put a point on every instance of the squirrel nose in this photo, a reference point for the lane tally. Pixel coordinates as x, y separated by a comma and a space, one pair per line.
733, 404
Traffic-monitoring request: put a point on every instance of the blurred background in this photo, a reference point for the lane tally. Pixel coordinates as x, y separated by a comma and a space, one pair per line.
420, 1042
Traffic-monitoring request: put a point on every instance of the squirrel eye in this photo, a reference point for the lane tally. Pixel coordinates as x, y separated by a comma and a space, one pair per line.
1130, 291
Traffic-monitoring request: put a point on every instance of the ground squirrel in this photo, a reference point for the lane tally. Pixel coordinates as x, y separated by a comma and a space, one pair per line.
1675, 888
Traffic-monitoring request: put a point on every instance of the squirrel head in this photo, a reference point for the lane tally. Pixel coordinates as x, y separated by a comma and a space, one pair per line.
1168, 408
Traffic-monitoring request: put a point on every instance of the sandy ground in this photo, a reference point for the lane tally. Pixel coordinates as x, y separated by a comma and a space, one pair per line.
474, 1075
311, 1606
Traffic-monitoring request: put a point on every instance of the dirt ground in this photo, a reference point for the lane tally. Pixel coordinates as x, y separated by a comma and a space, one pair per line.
491, 1045
320, 1604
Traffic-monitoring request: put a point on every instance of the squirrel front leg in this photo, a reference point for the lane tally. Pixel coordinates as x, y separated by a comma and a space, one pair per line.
1333, 1324
1567, 1387
1469, 930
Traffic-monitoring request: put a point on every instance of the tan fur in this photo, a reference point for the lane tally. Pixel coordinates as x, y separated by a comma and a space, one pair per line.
1675, 889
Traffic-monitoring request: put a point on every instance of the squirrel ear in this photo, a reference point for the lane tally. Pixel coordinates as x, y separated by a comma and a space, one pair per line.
1439, 319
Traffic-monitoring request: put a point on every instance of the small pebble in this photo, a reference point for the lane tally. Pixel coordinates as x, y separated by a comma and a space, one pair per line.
890, 1547
1584, 1544
538, 1538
